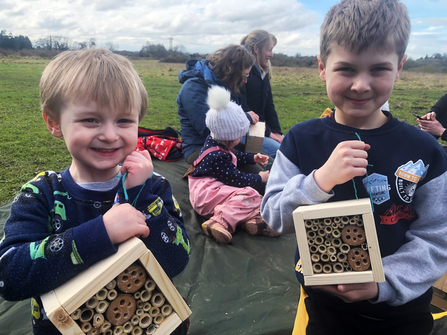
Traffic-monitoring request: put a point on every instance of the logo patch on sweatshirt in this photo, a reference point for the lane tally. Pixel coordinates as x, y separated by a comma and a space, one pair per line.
407, 178
377, 185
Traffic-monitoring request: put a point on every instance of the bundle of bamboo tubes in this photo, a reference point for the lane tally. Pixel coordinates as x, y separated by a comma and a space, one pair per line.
129, 304
337, 244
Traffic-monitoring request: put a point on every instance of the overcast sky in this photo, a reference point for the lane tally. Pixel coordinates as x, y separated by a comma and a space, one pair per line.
202, 25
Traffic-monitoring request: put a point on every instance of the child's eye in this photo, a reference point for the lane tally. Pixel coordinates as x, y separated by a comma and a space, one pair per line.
91, 120
125, 121
380, 68
345, 69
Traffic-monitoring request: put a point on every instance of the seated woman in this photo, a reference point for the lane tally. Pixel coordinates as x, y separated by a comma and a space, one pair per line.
435, 121
228, 67
256, 95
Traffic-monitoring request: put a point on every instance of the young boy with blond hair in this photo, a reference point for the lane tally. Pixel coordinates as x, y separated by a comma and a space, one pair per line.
364, 152
62, 223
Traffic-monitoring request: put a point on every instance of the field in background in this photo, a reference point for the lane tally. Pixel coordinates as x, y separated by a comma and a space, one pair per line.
27, 148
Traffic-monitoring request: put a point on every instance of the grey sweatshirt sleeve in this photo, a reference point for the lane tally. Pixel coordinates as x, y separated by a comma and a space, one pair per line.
414, 268
287, 188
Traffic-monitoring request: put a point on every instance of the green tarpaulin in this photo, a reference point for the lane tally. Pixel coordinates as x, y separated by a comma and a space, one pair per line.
247, 287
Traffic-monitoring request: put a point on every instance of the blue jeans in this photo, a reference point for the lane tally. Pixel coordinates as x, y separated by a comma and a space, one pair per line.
269, 147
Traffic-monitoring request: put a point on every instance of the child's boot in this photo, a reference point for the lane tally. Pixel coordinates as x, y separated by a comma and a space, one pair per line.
257, 226
216, 230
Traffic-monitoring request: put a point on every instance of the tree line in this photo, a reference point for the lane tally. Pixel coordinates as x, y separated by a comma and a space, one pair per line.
51, 45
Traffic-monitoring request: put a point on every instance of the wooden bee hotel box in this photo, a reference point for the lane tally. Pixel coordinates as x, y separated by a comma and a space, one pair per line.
255, 138
338, 243
126, 293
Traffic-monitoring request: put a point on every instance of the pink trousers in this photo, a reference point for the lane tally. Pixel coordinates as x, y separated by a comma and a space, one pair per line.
228, 205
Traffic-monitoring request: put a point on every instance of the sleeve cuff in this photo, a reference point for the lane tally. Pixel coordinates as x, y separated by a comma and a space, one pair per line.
444, 135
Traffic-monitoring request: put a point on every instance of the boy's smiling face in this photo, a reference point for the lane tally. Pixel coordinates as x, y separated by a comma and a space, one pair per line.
358, 84
98, 138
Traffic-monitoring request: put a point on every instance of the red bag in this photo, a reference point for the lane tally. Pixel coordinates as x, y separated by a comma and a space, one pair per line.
164, 148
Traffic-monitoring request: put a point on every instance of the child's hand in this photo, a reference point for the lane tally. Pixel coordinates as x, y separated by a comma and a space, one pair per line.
352, 292
123, 221
261, 159
348, 160
264, 175
139, 168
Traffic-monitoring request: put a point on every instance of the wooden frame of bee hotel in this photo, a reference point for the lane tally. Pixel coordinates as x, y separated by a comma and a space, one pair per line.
338, 243
126, 293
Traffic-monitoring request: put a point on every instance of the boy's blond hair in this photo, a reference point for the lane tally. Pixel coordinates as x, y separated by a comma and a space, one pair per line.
260, 38
93, 74
358, 25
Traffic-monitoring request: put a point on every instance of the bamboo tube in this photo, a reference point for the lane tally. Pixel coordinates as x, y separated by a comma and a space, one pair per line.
145, 320
321, 232
128, 327
324, 257
314, 227
344, 219
111, 285
137, 295
338, 268
86, 315
112, 294
106, 326
85, 327
147, 306
108, 332
92, 302
151, 329
140, 304
327, 268
98, 320
311, 234
337, 219
336, 242
310, 241
139, 312
322, 249
317, 268
166, 310
333, 258
158, 299
331, 250
94, 331
313, 249
135, 319
118, 330
307, 223
336, 233
315, 258
145, 295
76, 314
149, 285
319, 240
154, 311
137, 330
159, 319
328, 230
327, 243
334, 225
327, 221
341, 257
344, 248
102, 294
102, 306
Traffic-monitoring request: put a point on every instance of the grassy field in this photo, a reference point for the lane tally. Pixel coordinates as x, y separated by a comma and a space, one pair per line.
27, 148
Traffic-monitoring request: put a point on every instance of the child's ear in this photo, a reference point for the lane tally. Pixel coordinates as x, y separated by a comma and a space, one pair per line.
400, 67
321, 69
52, 124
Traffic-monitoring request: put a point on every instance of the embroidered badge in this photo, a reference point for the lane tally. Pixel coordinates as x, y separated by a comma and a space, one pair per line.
377, 185
407, 178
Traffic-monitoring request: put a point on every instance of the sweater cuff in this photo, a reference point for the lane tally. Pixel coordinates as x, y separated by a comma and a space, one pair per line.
444, 135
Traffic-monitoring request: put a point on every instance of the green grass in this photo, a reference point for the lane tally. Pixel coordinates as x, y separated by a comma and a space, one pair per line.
27, 148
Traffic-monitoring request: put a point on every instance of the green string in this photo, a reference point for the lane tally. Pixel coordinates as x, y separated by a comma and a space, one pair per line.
126, 196
368, 189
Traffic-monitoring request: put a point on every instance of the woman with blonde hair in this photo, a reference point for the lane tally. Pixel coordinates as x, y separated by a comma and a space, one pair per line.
256, 94
228, 67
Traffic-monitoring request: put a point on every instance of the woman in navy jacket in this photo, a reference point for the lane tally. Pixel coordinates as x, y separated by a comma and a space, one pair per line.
228, 67
256, 95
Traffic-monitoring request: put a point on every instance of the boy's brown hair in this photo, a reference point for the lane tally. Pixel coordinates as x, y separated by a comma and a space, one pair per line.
94, 74
358, 25
228, 63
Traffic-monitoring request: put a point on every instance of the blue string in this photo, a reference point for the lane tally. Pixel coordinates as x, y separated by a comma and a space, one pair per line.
368, 189
126, 196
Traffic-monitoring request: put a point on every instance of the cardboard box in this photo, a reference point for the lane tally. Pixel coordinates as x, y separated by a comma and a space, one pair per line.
255, 138
61, 303
440, 293
338, 243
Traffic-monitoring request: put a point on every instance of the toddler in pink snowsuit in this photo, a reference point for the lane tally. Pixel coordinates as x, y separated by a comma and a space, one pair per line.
217, 189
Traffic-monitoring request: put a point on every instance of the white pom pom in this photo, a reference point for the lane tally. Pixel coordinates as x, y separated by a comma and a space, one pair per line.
218, 97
